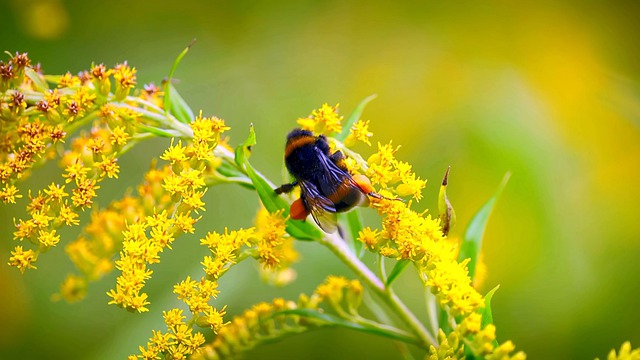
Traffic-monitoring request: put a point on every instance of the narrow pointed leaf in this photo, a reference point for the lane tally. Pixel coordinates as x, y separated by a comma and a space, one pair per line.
167, 86
446, 213
472, 241
272, 202
334, 320
179, 108
53, 79
354, 117
38, 81
487, 316
398, 268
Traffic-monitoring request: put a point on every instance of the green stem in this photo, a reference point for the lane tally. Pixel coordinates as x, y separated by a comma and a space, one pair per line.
340, 249
432, 311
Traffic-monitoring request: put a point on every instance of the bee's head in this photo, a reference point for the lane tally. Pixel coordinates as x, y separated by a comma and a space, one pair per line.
298, 133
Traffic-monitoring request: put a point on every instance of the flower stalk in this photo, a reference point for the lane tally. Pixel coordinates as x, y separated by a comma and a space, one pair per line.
337, 245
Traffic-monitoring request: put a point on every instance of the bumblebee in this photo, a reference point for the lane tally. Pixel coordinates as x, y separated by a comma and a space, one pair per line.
326, 187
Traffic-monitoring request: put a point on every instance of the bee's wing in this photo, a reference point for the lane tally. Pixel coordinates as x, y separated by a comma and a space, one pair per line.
339, 186
322, 209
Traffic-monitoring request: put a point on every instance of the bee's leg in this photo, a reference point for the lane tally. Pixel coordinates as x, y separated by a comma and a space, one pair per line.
285, 188
378, 196
337, 157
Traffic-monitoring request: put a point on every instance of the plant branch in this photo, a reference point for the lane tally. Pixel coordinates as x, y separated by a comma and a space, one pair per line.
340, 249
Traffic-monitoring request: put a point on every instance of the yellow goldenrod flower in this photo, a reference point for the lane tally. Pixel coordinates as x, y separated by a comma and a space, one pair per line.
48, 238
324, 120
75, 172
68, 80
9, 194
23, 259
125, 77
83, 195
100, 76
331, 290
369, 237
108, 167
271, 233
175, 153
359, 132
119, 136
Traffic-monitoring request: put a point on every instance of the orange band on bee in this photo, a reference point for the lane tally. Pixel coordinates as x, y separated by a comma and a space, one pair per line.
298, 142
340, 192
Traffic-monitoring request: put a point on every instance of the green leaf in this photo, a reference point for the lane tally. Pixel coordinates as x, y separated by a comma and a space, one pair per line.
168, 103
38, 81
446, 213
487, 316
398, 268
54, 79
234, 174
179, 108
272, 202
354, 117
472, 241
353, 224
371, 328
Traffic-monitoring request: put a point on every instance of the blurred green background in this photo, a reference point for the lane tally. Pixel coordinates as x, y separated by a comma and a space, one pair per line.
547, 90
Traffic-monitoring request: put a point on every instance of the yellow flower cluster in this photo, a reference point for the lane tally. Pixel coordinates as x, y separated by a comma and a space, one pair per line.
145, 238
325, 120
177, 343
265, 322
359, 132
385, 170
275, 247
337, 292
225, 249
418, 237
36, 121
249, 329
265, 242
